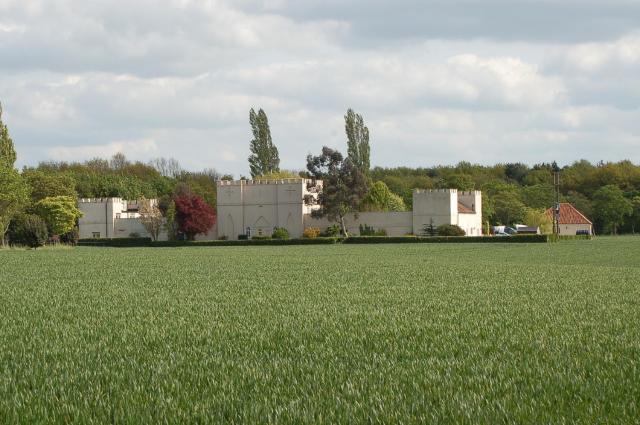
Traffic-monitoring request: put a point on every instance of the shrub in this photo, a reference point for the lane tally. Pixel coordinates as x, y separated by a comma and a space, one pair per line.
332, 231
280, 233
260, 238
450, 230
243, 237
72, 237
311, 233
370, 231
134, 235
29, 230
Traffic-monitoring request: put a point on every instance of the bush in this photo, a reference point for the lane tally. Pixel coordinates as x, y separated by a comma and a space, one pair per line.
117, 242
446, 239
134, 235
332, 231
450, 230
370, 231
29, 230
280, 233
311, 233
72, 237
260, 238
243, 237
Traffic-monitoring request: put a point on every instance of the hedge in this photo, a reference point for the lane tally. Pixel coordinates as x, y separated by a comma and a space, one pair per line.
117, 242
554, 238
446, 239
147, 242
249, 242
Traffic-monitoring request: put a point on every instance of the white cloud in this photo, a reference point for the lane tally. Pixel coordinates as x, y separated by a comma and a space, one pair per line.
593, 57
436, 82
134, 149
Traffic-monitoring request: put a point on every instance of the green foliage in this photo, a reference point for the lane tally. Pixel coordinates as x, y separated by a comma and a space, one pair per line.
14, 196
446, 239
450, 230
280, 233
538, 218
46, 185
539, 196
370, 231
380, 198
508, 208
332, 231
279, 175
264, 158
28, 230
59, 212
344, 185
611, 207
7, 151
429, 229
358, 149
458, 181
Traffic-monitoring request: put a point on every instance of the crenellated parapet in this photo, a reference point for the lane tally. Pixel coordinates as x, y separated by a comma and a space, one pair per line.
222, 183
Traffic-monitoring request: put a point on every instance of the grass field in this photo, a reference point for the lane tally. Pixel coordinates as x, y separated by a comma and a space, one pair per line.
540, 333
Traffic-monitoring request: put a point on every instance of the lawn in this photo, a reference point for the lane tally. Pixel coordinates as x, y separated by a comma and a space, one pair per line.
428, 333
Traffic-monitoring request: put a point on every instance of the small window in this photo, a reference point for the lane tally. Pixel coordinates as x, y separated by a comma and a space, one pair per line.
95, 235
118, 215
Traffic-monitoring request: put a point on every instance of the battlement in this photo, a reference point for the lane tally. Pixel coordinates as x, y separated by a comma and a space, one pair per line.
427, 191
98, 200
220, 183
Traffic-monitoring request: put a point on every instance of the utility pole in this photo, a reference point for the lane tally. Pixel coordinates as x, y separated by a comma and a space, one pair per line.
556, 207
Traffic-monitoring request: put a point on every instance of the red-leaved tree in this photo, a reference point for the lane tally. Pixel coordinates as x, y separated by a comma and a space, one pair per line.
193, 215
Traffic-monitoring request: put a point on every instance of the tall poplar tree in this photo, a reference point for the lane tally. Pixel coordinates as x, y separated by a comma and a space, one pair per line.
14, 192
264, 157
7, 151
358, 149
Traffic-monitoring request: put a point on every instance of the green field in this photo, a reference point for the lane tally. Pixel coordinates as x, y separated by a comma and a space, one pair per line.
429, 333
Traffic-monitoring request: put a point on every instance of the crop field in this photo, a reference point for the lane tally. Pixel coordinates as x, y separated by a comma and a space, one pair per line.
429, 333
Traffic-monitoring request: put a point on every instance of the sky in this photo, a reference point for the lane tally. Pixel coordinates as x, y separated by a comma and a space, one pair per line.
437, 81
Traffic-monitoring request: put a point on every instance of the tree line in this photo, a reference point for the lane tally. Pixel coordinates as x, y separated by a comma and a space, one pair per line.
43, 198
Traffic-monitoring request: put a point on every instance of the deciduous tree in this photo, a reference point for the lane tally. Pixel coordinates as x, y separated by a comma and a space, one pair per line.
59, 212
7, 151
14, 196
358, 148
380, 198
193, 215
611, 207
344, 185
264, 156
151, 217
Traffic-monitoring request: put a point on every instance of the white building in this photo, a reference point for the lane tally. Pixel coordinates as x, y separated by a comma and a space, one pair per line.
258, 207
571, 221
109, 218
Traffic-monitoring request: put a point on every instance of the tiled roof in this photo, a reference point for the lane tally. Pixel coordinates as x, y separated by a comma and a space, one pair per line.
463, 209
569, 215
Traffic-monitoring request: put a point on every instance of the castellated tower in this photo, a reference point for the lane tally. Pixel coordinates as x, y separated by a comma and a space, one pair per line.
439, 205
447, 206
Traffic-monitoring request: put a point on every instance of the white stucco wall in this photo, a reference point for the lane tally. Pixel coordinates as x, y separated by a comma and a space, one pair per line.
571, 229
261, 206
394, 223
439, 205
